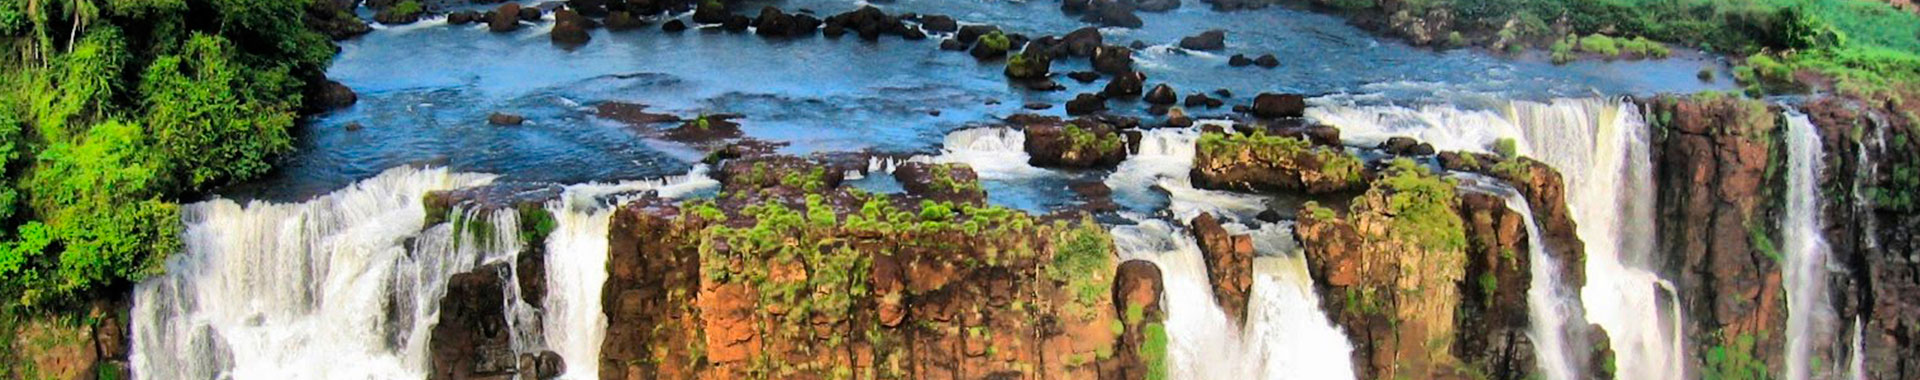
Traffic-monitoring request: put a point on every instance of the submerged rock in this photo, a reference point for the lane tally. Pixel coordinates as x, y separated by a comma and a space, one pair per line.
673, 26
505, 119
1267, 61
1239, 60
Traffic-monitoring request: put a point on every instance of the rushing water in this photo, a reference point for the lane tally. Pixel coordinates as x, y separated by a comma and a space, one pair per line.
1548, 309
1286, 336
291, 290
1809, 317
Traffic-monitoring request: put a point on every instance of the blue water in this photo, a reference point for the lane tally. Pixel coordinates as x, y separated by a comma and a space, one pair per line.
426, 89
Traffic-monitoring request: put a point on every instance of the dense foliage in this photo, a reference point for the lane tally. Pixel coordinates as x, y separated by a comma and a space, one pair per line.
112, 111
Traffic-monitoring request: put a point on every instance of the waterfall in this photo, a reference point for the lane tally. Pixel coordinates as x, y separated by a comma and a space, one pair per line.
1165, 160
297, 290
995, 153
1601, 148
1808, 314
577, 263
1447, 128
1286, 337
1549, 310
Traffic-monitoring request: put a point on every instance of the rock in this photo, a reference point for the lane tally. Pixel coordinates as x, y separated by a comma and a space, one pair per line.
1229, 261
736, 23
970, 33
1270, 216
1398, 145
772, 23
1162, 94
1138, 45
463, 17
569, 29
1111, 13
589, 8
1201, 100
353, 126
506, 18
504, 119
1085, 104
631, 114
391, 16
1113, 60
1036, 106
621, 20
939, 23
952, 45
1125, 85
1178, 118
1028, 66
991, 46
529, 14
1084, 76
804, 25
1209, 40
1239, 60
1157, 5
711, 12
941, 182
1079, 145
1498, 267
1082, 42
673, 26
1270, 105
1223, 93
335, 20
472, 340
1267, 61
1138, 284
334, 95
1285, 167
912, 34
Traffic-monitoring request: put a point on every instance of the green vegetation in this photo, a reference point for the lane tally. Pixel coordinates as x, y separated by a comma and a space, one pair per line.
1334, 163
1735, 362
1422, 206
1089, 141
944, 182
1506, 147
1153, 351
407, 8
110, 112
996, 41
1082, 260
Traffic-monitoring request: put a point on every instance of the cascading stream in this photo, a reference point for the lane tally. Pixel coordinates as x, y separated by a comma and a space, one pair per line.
296, 290
1809, 317
1601, 149
1286, 337
1549, 310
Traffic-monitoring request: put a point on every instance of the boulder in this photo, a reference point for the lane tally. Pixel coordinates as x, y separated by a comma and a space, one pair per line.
1270, 105
622, 20
472, 339
970, 33
1229, 163
1162, 94
673, 26
1113, 60
991, 46
736, 23
334, 95
569, 29
951, 44
773, 23
529, 14
711, 12
1177, 118
1201, 100
941, 182
463, 17
1028, 66
506, 18
1084, 76
1157, 5
1267, 61
939, 23
1113, 13
1239, 60
1229, 261
1085, 104
335, 20
1082, 42
1075, 145
1209, 40
505, 119
1125, 86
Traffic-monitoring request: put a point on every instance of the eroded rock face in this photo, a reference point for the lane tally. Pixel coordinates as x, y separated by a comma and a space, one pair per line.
946, 182
1545, 192
1711, 159
1229, 264
1259, 162
472, 340
1137, 288
1493, 314
1081, 144
913, 297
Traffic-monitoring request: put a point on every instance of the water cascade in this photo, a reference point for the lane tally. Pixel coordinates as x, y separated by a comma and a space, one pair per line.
1549, 309
1286, 337
294, 290
1808, 314
1601, 148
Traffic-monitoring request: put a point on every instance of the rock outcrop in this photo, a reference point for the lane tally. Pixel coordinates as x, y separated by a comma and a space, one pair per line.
1229, 264
1209, 40
1081, 144
1262, 162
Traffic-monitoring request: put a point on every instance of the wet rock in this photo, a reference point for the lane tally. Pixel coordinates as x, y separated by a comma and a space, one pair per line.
1086, 104
1112, 13
952, 45
390, 16
1495, 341
545, 365
1223, 93
1036, 106
334, 20
942, 182
711, 12
529, 14
621, 20
1229, 261
1178, 118
673, 26
939, 23
1398, 145
589, 8
970, 33
1209, 40
1162, 94
506, 18
1082, 42
1202, 100
1229, 164
1113, 60
1138, 45
706, 129
1267, 61
1270, 216
463, 17
736, 23
1074, 146
569, 29
1270, 105
505, 119
472, 339
334, 95
1157, 5
1125, 86
991, 46
1239, 60
1084, 76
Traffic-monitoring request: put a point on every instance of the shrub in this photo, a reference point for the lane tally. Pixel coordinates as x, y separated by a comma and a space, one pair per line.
996, 40
1506, 147
1085, 140
1422, 206
1599, 44
1153, 350
407, 8
214, 119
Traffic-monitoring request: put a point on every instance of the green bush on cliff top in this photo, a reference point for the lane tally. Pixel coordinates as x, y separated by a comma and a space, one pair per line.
1334, 163
1421, 204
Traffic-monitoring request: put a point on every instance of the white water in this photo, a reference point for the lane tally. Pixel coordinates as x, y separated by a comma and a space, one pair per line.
1809, 317
348, 285
1447, 128
1165, 160
995, 153
1600, 147
1287, 336
296, 291
577, 264
1549, 310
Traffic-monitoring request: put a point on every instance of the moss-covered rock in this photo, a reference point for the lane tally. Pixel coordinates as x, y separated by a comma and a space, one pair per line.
1079, 144
1261, 162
